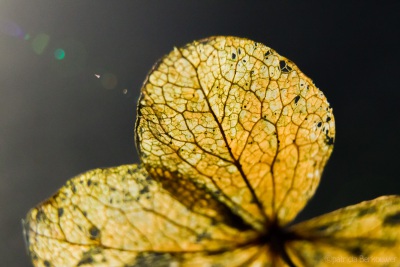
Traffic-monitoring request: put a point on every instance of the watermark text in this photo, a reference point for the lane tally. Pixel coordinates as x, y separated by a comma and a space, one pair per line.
361, 258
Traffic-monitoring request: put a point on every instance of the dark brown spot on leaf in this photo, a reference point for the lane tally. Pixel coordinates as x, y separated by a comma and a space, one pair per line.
366, 211
392, 220
94, 232
60, 212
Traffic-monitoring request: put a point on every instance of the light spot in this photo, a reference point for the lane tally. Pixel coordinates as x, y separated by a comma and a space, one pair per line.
59, 54
109, 81
40, 43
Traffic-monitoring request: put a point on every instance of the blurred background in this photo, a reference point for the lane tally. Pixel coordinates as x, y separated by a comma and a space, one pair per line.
71, 72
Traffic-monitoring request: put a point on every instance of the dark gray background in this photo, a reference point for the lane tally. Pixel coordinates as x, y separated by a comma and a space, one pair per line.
58, 120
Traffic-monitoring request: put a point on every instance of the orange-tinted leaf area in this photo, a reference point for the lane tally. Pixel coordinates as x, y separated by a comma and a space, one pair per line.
233, 139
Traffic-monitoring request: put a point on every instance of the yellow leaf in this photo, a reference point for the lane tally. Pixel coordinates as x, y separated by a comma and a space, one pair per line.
112, 217
235, 117
233, 139
366, 234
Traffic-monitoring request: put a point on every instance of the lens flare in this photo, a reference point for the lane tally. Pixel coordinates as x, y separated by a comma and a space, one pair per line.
11, 28
40, 43
70, 57
109, 81
59, 54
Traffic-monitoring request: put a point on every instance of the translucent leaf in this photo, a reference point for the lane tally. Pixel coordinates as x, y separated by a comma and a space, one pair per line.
366, 234
235, 117
119, 216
